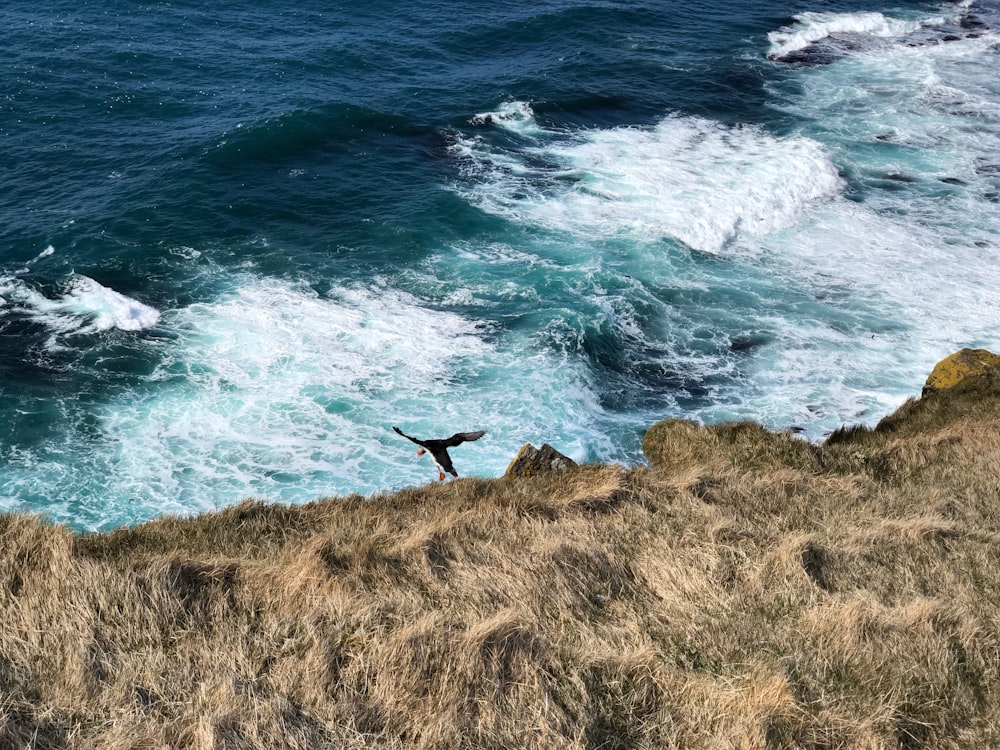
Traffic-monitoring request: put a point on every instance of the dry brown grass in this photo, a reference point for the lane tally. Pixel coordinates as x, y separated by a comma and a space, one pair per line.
746, 590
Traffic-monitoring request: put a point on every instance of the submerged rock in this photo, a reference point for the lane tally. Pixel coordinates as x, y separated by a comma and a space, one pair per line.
531, 461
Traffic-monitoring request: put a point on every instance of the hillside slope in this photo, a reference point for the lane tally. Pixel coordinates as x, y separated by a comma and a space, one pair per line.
746, 589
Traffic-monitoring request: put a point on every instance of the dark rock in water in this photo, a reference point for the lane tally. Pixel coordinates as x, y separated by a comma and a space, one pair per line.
950, 38
953, 181
811, 56
970, 21
899, 177
748, 341
531, 461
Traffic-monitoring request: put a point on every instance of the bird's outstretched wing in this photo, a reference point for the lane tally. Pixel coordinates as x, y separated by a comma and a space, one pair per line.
461, 437
411, 439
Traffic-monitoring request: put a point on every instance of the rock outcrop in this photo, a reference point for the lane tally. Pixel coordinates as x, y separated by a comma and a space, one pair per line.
965, 368
531, 461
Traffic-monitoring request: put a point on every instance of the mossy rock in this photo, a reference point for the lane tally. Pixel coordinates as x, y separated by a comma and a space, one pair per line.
967, 369
963, 385
531, 461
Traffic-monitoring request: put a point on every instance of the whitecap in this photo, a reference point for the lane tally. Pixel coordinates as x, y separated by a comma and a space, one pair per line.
88, 306
811, 27
50, 250
689, 178
85, 306
515, 116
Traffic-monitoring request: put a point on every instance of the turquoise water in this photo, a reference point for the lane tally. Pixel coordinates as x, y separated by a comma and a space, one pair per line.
237, 244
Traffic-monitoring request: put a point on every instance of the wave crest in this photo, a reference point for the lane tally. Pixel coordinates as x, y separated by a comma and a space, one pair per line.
689, 178
84, 306
812, 27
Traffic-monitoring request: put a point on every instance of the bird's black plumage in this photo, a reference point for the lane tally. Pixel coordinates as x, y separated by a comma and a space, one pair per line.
439, 448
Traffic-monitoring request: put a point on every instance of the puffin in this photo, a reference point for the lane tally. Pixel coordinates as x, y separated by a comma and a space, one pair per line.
439, 448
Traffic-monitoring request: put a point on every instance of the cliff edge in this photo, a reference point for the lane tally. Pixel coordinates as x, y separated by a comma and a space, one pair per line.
745, 589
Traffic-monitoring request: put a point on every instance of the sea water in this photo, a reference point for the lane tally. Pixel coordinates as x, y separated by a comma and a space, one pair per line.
239, 242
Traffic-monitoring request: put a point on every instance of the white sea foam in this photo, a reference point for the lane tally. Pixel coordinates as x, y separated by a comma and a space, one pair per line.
698, 181
104, 307
811, 27
278, 392
515, 116
84, 306
50, 250
904, 274
356, 338
924, 114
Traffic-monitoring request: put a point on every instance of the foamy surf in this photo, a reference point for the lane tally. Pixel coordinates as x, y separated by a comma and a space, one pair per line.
276, 392
697, 181
824, 284
912, 257
514, 116
82, 306
812, 27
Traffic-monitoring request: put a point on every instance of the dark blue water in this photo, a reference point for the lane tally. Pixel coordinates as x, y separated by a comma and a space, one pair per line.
239, 243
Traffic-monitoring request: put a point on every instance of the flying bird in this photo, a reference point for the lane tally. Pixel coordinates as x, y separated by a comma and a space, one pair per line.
439, 448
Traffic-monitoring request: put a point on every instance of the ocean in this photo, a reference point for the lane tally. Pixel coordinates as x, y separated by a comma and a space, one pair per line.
240, 241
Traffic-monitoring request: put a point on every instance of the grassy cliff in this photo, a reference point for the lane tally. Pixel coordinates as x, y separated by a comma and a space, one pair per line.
746, 589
